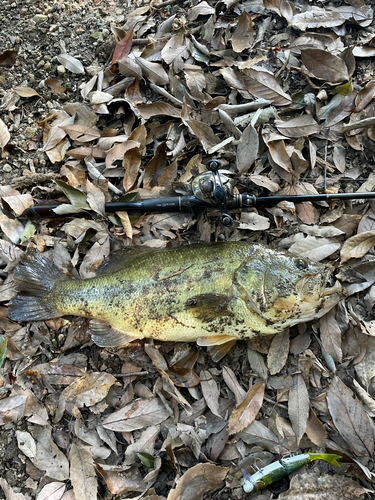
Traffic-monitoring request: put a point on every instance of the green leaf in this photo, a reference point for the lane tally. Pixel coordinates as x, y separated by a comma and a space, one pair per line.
3, 349
147, 459
28, 232
75, 196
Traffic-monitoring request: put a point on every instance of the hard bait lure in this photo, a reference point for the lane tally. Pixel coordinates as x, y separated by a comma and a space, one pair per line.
283, 467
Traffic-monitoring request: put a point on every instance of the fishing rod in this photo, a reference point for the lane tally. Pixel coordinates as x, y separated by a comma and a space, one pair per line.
214, 188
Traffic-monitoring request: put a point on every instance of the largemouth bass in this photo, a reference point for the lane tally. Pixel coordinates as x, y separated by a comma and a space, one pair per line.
209, 293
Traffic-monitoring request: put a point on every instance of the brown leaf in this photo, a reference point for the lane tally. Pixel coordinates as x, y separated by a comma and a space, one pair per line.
56, 87
123, 47
278, 352
253, 222
325, 65
233, 384
141, 413
82, 472
95, 198
175, 51
51, 491
71, 63
204, 133
201, 9
81, 133
314, 248
153, 71
19, 203
298, 406
315, 430
158, 108
4, 134
350, 418
243, 36
9, 493
90, 389
12, 409
198, 480
357, 246
123, 481
263, 84
81, 153
317, 17
330, 334
246, 412
131, 163
26, 92
133, 93
300, 126
247, 150
211, 392
265, 182
365, 369
94, 257
8, 58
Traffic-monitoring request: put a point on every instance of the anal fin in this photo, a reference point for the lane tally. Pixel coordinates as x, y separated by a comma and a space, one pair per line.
215, 340
104, 335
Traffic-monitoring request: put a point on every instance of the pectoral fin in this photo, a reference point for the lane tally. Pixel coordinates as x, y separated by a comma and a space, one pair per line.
104, 335
209, 306
215, 340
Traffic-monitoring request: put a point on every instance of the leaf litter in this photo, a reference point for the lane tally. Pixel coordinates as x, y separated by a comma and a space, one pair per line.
282, 93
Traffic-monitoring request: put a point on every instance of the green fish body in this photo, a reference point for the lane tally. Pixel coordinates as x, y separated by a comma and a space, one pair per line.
210, 293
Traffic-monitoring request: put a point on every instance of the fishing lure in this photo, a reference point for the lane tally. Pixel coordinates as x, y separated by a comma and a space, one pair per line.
283, 467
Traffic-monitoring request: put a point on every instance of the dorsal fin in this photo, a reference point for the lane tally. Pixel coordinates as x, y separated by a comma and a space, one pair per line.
120, 258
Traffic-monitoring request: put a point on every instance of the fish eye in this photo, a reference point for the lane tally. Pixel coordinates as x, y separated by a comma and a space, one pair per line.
301, 264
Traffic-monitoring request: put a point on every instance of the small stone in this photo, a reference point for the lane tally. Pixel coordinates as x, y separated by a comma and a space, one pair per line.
30, 132
40, 64
79, 31
47, 66
40, 18
60, 70
105, 32
7, 168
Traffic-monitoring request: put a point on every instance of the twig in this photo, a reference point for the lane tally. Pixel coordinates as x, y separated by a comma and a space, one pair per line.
32, 180
136, 374
366, 122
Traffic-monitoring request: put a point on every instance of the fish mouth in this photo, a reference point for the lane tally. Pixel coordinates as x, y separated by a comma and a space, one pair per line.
336, 288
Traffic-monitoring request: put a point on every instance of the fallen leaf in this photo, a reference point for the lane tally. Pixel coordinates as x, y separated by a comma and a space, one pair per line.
350, 418
76, 197
26, 92
123, 47
123, 481
298, 406
315, 430
56, 87
247, 149
19, 203
253, 222
71, 63
314, 248
317, 17
12, 409
8, 58
324, 65
357, 246
90, 389
9, 493
365, 369
81, 133
303, 125
51, 491
82, 473
330, 334
201, 9
211, 391
198, 480
264, 84
243, 36
158, 108
4, 134
278, 352
141, 413
245, 413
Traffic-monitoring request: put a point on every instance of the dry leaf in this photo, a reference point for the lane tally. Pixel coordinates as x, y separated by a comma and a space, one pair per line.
4, 134
12, 409
247, 150
90, 389
243, 37
315, 430
158, 108
298, 406
357, 246
82, 473
303, 125
263, 84
245, 413
317, 17
233, 384
324, 65
81, 133
71, 63
26, 92
211, 391
278, 352
350, 419
365, 369
8, 58
9, 493
19, 203
56, 87
51, 491
197, 481
314, 248
141, 413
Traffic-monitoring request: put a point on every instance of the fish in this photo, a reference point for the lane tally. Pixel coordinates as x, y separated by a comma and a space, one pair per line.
283, 467
208, 293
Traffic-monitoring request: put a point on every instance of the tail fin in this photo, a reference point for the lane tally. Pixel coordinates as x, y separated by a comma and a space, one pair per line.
328, 457
35, 280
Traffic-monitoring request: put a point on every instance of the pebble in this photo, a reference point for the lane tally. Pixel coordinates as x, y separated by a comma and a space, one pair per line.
60, 69
47, 66
7, 168
30, 132
40, 18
